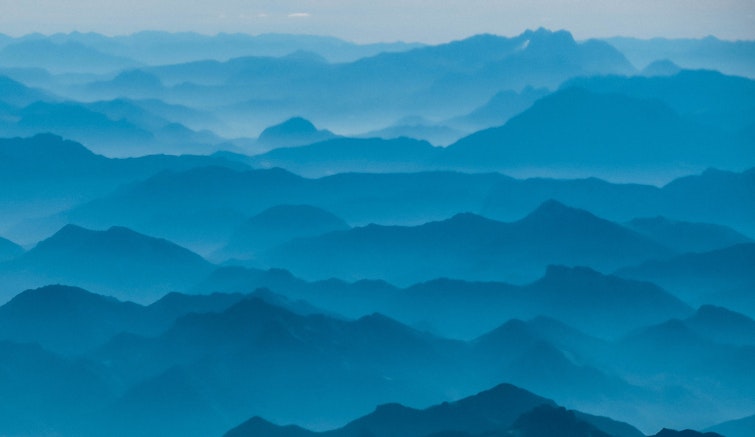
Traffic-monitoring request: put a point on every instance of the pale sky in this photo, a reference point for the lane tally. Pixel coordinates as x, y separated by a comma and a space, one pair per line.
430, 21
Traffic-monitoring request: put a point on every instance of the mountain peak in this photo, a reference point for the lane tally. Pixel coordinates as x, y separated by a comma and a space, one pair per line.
57, 295
553, 210
666, 432
294, 125
295, 131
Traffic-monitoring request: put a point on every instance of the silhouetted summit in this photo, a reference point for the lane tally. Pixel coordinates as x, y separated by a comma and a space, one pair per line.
118, 261
295, 131
277, 225
722, 325
576, 127
502, 410
549, 421
665, 432
470, 247
259, 427
66, 320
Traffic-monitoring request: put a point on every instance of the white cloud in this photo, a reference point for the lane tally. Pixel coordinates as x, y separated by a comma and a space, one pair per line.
299, 15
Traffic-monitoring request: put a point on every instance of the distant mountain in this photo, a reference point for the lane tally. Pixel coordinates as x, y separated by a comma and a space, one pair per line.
178, 205
257, 426
685, 236
295, 131
254, 89
374, 356
465, 310
730, 57
65, 57
673, 347
15, 93
278, 225
725, 196
560, 286
117, 128
665, 432
193, 353
70, 174
65, 320
721, 276
713, 196
722, 325
735, 428
343, 155
691, 363
471, 70
468, 247
158, 48
623, 133
499, 109
135, 83
75, 121
516, 352
492, 412
72, 321
586, 289
705, 96
661, 67
548, 421
118, 262
418, 129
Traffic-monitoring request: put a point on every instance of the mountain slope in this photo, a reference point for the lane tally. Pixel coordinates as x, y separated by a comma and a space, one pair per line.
722, 277
118, 261
45, 174
295, 131
722, 325
685, 236
735, 428
327, 359
468, 247
343, 155
278, 225
597, 132
706, 96
65, 320
502, 410
66, 57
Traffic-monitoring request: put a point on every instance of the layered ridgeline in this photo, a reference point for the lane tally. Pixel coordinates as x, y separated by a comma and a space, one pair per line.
305, 276
316, 244
186, 356
130, 126
656, 125
469, 247
500, 409
202, 207
249, 88
117, 262
45, 174
723, 275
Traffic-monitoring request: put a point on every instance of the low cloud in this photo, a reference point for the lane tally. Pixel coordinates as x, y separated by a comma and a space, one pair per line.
299, 15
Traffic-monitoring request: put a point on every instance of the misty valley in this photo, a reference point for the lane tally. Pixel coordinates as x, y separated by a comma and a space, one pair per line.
298, 236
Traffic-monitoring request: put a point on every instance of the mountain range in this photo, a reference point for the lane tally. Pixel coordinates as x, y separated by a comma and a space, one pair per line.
193, 352
363, 239
469, 247
724, 275
490, 412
